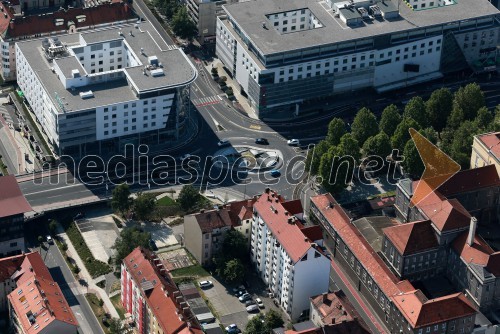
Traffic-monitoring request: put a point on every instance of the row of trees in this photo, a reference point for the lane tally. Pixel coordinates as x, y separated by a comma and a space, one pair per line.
179, 20
264, 323
446, 119
229, 260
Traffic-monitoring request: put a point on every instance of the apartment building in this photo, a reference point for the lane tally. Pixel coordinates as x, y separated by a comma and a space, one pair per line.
35, 302
204, 14
19, 23
286, 254
150, 295
204, 231
286, 54
96, 91
402, 307
486, 150
13, 206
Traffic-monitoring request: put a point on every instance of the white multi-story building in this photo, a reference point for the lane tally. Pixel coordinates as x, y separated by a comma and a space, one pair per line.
286, 254
288, 52
94, 92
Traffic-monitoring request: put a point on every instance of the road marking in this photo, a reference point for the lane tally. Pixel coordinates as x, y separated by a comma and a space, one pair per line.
208, 100
255, 127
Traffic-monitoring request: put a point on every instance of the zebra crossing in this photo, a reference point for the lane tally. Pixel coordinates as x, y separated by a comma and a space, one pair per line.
208, 100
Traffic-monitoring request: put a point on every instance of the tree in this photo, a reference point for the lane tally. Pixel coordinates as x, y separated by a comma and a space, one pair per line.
461, 144
335, 169
495, 126
121, 198
456, 118
235, 243
167, 7
415, 109
438, 108
52, 226
182, 25
234, 271
402, 134
389, 120
364, 125
40, 241
115, 326
379, 145
484, 118
144, 206
412, 163
336, 129
129, 239
469, 99
314, 155
188, 197
349, 146
272, 320
255, 326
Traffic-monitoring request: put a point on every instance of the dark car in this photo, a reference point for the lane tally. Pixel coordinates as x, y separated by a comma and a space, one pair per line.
250, 302
80, 215
261, 141
275, 173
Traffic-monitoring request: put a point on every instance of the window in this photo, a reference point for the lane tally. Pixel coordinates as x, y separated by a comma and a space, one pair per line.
100, 62
106, 117
106, 133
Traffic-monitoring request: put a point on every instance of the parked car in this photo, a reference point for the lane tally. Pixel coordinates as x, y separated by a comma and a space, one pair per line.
261, 141
50, 241
80, 215
293, 142
223, 142
244, 297
205, 284
275, 173
250, 302
252, 308
232, 329
259, 303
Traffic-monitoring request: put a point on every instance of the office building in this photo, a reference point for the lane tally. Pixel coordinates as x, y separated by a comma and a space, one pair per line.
286, 54
96, 91
150, 295
19, 23
13, 206
204, 231
286, 254
204, 14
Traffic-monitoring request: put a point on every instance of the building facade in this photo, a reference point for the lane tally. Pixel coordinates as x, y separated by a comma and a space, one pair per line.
287, 54
204, 14
23, 22
486, 150
150, 295
36, 303
285, 255
95, 92
13, 206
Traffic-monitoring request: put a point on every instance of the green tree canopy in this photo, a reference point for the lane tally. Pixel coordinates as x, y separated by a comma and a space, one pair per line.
314, 155
389, 120
182, 25
412, 163
336, 129
115, 326
402, 134
469, 99
144, 206
379, 145
167, 7
349, 146
364, 125
234, 271
235, 243
335, 168
415, 109
495, 126
272, 320
438, 108
120, 200
129, 239
460, 149
484, 119
255, 326
188, 197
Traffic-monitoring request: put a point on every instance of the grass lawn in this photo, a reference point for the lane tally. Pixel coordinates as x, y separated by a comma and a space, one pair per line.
116, 300
97, 309
165, 201
193, 271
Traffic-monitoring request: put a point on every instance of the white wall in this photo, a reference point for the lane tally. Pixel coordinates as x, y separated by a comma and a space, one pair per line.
5, 247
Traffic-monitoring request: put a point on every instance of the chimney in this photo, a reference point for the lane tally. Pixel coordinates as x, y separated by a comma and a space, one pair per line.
11, 24
267, 190
325, 297
333, 321
472, 231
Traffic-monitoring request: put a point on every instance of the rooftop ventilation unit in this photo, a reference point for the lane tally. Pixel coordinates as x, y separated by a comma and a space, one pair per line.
363, 12
153, 61
157, 73
375, 11
75, 73
87, 95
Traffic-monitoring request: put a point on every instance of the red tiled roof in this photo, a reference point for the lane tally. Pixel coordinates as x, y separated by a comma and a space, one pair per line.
348, 327
447, 214
313, 233
33, 263
272, 211
9, 265
40, 24
213, 219
240, 210
12, 201
383, 202
478, 253
293, 207
413, 237
493, 264
358, 245
492, 142
420, 312
334, 307
470, 180
162, 306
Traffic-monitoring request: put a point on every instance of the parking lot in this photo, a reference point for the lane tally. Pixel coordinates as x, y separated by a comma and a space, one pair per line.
99, 234
229, 309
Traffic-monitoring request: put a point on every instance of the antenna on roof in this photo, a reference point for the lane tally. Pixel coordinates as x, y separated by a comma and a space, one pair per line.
264, 25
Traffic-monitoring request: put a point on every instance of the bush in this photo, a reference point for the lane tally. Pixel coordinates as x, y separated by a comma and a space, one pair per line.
176, 221
117, 222
64, 247
76, 269
101, 302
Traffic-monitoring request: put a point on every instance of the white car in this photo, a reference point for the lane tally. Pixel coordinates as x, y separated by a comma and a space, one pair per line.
223, 142
259, 302
205, 284
50, 241
252, 308
233, 328
244, 297
293, 142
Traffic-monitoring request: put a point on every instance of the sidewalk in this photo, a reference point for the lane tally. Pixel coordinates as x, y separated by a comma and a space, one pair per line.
85, 274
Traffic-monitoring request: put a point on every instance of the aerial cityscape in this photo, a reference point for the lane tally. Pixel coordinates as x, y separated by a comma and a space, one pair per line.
250, 166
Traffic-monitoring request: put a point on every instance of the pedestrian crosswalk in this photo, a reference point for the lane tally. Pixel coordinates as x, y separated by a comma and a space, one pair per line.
208, 100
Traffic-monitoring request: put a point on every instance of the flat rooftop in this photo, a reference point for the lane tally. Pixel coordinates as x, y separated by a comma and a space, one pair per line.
251, 14
144, 42
371, 229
